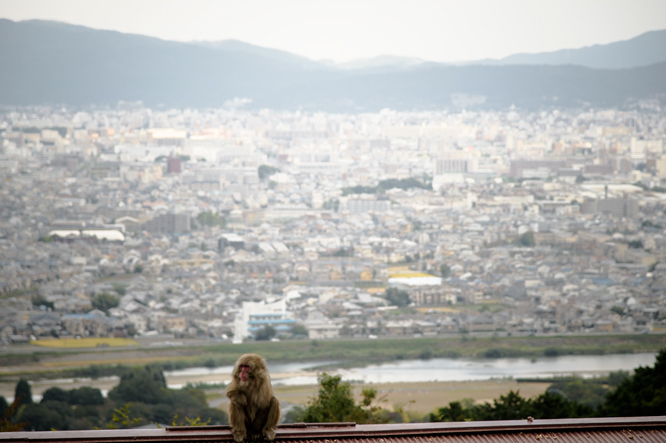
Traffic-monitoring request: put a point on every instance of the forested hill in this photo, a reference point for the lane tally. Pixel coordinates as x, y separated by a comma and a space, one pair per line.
646, 49
49, 62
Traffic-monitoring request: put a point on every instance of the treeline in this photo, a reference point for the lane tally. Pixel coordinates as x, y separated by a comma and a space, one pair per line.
385, 185
140, 398
618, 395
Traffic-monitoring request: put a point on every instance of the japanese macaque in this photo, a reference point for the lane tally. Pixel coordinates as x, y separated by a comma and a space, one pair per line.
253, 410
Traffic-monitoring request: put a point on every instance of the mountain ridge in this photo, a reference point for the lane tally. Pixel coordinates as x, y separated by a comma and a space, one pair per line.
643, 50
53, 62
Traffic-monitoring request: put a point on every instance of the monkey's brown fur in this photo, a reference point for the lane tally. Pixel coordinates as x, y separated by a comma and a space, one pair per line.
253, 410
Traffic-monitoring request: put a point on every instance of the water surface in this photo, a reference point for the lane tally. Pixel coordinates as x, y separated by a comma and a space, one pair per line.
445, 369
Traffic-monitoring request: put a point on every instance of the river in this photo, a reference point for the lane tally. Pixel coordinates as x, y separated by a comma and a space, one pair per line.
436, 369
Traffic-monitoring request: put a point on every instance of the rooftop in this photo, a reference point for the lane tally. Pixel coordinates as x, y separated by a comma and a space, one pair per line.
592, 430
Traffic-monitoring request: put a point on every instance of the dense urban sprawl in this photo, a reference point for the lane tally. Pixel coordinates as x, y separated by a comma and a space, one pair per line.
233, 224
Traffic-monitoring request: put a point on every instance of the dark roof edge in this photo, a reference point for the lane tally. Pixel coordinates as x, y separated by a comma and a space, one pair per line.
340, 430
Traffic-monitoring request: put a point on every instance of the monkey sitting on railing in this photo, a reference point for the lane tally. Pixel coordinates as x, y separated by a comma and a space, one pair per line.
253, 410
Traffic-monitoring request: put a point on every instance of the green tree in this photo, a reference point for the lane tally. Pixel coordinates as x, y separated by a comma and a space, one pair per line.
397, 297
335, 403
145, 385
105, 301
590, 392
85, 417
266, 171
618, 310
214, 416
8, 422
299, 330
359, 189
444, 270
617, 377
161, 413
527, 239
643, 394
514, 407
39, 300
507, 407
121, 418
23, 392
210, 219
555, 405
332, 204
55, 394
405, 183
265, 333
46, 416
454, 412
86, 395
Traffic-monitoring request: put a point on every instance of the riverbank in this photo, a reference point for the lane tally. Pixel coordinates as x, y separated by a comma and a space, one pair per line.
346, 353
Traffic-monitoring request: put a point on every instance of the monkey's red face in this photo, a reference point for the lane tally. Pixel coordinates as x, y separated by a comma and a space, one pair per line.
244, 372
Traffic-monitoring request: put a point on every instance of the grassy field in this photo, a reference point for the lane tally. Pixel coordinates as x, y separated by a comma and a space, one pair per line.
423, 397
414, 398
411, 348
87, 342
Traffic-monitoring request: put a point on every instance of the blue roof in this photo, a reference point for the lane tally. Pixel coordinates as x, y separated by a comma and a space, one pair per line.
637, 281
277, 328
85, 316
271, 322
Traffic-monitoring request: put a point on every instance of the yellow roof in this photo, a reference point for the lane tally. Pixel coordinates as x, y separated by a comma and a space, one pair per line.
409, 274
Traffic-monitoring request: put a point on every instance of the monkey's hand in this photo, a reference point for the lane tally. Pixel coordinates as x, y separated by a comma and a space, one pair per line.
239, 398
269, 434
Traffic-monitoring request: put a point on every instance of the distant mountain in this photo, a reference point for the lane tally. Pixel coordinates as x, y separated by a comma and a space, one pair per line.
59, 63
273, 54
50, 62
646, 49
491, 87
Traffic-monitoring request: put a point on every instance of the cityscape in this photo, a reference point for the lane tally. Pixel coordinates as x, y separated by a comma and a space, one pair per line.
237, 225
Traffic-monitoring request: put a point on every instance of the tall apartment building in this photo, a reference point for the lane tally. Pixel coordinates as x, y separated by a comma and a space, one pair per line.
213, 179
618, 207
452, 170
529, 168
448, 165
174, 165
168, 224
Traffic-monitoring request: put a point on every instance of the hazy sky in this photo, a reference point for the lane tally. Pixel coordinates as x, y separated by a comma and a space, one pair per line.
343, 30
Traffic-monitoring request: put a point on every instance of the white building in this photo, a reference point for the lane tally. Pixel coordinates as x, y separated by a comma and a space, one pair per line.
362, 206
257, 315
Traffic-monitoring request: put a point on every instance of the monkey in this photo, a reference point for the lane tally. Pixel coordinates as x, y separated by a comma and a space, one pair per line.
254, 412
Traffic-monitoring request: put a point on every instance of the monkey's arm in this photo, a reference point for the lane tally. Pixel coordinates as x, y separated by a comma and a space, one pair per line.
238, 397
272, 420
